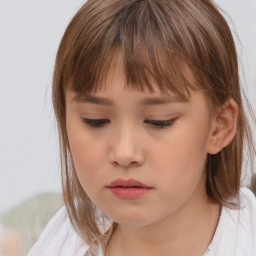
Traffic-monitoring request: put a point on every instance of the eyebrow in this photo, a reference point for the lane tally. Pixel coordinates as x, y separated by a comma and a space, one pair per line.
108, 102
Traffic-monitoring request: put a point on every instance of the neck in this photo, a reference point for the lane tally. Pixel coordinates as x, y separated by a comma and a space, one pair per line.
193, 225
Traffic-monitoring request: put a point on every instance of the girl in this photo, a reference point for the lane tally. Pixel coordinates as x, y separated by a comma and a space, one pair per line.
152, 130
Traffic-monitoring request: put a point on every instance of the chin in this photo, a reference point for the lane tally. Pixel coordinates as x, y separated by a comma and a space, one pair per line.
132, 219
132, 222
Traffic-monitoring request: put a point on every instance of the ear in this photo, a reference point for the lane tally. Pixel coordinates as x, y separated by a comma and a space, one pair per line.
224, 126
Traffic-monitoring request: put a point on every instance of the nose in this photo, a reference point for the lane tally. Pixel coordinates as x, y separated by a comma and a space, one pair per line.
126, 150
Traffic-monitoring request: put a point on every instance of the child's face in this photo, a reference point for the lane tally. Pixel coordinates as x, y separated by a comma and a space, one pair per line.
170, 161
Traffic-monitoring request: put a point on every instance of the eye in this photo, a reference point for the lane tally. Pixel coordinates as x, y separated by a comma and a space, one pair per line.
161, 124
95, 123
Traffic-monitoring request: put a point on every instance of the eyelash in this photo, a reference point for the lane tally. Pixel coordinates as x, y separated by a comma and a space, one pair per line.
159, 124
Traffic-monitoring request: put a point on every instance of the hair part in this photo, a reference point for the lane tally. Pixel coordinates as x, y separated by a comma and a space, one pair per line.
157, 39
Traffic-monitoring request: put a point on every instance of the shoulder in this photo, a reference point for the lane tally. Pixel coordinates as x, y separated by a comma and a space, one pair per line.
247, 213
248, 199
236, 231
59, 238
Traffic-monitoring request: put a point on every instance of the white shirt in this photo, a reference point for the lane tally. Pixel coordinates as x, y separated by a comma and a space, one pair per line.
235, 234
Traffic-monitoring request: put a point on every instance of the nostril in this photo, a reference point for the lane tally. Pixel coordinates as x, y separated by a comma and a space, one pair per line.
116, 163
131, 163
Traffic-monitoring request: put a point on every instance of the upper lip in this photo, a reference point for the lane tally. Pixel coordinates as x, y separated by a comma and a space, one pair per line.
127, 183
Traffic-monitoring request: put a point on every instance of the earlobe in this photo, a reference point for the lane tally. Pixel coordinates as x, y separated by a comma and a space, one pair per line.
224, 127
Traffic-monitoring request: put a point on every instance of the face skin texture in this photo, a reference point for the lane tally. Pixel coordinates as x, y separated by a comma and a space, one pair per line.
170, 160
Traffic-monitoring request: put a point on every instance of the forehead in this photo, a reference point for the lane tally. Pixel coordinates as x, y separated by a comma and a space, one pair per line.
142, 99
116, 82
114, 90
133, 102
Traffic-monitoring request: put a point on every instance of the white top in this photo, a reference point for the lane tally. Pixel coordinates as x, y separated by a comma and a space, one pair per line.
235, 234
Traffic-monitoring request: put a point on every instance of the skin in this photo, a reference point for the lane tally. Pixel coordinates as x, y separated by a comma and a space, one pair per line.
176, 211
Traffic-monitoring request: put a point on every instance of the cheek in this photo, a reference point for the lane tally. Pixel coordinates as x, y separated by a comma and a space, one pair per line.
87, 154
84, 157
88, 162
181, 162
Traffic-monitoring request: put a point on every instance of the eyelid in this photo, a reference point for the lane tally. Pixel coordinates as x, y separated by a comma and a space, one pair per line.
162, 124
158, 124
92, 122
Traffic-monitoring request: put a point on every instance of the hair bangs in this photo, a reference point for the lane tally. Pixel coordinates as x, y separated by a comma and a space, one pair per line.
150, 57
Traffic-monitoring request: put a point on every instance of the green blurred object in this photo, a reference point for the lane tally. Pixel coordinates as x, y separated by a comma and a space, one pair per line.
30, 217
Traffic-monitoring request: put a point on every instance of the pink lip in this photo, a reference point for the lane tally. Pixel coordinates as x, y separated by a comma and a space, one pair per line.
127, 183
128, 189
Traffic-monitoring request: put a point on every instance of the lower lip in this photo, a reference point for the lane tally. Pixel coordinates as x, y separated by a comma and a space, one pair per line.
129, 193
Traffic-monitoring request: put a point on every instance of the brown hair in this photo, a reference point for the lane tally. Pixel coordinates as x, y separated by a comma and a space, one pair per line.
155, 38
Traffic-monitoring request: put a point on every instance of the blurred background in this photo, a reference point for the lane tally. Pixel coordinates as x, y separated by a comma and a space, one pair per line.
30, 185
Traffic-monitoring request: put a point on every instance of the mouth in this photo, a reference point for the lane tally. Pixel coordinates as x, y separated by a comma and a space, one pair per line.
131, 183
128, 189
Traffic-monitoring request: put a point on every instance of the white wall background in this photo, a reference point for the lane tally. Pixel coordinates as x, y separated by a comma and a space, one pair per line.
30, 32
